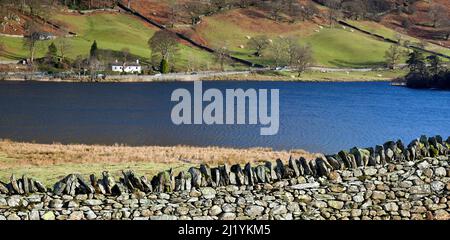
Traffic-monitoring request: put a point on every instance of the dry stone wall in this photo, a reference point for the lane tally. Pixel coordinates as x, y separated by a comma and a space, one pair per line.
390, 181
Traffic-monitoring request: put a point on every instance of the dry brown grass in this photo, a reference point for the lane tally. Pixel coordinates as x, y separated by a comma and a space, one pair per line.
51, 162
31, 154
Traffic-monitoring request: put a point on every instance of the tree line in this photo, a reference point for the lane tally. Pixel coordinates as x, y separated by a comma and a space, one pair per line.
427, 71
281, 52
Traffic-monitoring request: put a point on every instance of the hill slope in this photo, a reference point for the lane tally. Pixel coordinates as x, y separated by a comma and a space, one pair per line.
333, 45
112, 31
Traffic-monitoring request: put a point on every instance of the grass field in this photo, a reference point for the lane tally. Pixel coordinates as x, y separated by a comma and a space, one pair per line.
315, 76
332, 47
50, 174
337, 47
112, 31
51, 162
386, 32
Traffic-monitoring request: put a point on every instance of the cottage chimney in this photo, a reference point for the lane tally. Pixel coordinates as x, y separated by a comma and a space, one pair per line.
117, 61
137, 61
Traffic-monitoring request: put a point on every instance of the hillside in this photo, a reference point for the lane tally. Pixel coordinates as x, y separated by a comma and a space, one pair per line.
418, 24
333, 45
232, 26
113, 31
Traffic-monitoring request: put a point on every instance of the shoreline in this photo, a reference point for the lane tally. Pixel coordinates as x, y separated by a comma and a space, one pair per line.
236, 76
190, 81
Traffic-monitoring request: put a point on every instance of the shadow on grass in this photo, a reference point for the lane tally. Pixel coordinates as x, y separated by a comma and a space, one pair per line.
348, 64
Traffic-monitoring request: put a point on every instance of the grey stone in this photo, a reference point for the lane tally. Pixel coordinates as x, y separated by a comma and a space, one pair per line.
196, 177
215, 210
378, 195
293, 165
358, 198
93, 202
423, 165
76, 215
336, 204
305, 186
261, 173
3, 188
48, 216
90, 215
86, 187
208, 192
370, 171
391, 207
13, 201
108, 182
240, 177
15, 185
34, 215
39, 186
59, 188
440, 172
248, 175
280, 209
13, 217
163, 217
56, 203
206, 175
279, 169
437, 186
227, 216
254, 211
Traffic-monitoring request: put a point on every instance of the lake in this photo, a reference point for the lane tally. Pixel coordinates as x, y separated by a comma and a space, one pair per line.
318, 117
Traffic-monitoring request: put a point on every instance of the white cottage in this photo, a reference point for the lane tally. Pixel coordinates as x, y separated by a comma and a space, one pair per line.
132, 67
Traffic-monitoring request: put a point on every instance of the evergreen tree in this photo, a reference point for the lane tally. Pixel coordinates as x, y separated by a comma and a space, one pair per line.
164, 66
94, 50
435, 64
52, 53
416, 62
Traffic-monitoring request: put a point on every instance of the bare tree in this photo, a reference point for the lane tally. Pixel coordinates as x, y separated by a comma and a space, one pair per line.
292, 49
79, 64
219, 5
302, 58
446, 30
334, 12
259, 44
94, 67
310, 10
174, 9
193, 63
125, 54
393, 55
222, 56
195, 9
355, 8
278, 52
275, 8
63, 46
31, 40
163, 45
437, 14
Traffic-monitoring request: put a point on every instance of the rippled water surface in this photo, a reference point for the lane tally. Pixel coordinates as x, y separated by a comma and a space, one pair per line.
319, 117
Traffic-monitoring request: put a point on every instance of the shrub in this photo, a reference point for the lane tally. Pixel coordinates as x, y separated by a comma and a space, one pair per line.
443, 80
164, 66
417, 80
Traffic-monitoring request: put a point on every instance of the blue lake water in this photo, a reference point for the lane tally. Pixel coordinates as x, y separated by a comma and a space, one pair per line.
318, 117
